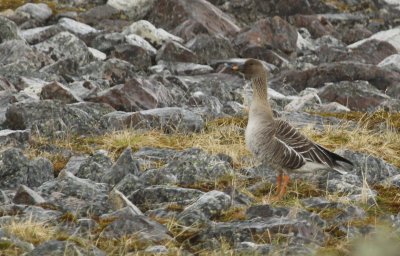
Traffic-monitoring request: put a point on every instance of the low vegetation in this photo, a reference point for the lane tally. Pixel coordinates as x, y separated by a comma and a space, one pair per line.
226, 136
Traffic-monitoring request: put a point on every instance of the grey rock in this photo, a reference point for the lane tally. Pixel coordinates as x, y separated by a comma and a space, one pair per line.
74, 163
38, 214
155, 154
107, 42
48, 117
58, 248
320, 203
239, 231
159, 194
135, 10
9, 239
174, 52
87, 225
155, 176
159, 249
167, 118
57, 91
76, 27
95, 166
9, 30
40, 170
209, 205
141, 226
162, 213
139, 41
351, 213
14, 137
208, 106
195, 165
211, 47
375, 170
72, 194
25, 195
357, 95
264, 211
40, 12
65, 45
250, 248
40, 34
125, 164
181, 68
138, 56
156, 36
129, 184
118, 201
237, 198
14, 168
391, 62
4, 198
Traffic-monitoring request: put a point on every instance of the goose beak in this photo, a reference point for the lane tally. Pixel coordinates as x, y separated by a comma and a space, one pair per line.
238, 68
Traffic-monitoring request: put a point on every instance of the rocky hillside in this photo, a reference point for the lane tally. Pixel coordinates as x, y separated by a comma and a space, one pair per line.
122, 127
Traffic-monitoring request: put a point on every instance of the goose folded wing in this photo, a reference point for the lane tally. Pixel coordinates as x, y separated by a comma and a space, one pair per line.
297, 148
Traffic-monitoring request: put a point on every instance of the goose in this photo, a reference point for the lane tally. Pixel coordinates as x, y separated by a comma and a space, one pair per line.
277, 144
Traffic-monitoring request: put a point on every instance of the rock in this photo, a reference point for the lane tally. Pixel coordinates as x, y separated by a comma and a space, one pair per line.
87, 225
65, 45
75, 27
194, 15
391, 62
305, 101
181, 68
98, 14
194, 165
125, 164
114, 71
14, 137
249, 12
168, 118
375, 170
139, 41
273, 32
58, 248
9, 30
8, 239
158, 249
153, 176
265, 54
210, 204
237, 198
95, 167
211, 47
136, 55
129, 184
391, 36
351, 213
357, 95
209, 107
331, 107
40, 34
144, 228
320, 203
134, 95
135, 10
40, 12
369, 52
106, 42
40, 170
48, 117
14, 168
317, 26
172, 51
118, 201
336, 72
38, 214
246, 230
72, 194
154, 195
155, 154
303, 119
57, 91
264, 211
252, 248
25, 195
149, 32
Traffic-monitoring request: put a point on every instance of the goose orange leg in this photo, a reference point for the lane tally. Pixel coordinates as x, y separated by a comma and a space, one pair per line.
281, 190
279, 182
